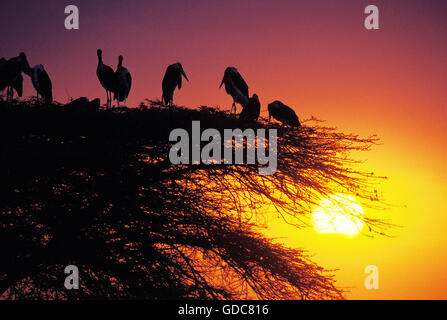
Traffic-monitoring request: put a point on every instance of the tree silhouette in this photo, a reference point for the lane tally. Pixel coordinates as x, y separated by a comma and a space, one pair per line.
95, 189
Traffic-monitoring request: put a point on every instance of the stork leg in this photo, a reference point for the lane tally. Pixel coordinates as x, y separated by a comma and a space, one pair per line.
8, 94
233, 106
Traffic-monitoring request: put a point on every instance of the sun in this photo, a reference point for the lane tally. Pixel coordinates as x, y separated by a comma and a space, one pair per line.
338, 214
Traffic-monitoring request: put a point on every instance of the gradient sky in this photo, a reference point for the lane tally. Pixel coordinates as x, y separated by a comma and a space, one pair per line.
315, 56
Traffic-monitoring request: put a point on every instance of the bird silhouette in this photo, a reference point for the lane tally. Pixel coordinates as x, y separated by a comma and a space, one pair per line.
171, 80
11, 74
107, 78
83, 103
41, 83
17, 85
252, 110
283, 114
236, 87
124, 82
2, 63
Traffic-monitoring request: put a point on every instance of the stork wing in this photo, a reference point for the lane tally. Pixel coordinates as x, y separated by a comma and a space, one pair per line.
179, 81
129, 81
167, 79
44, 80
45, 85
240, 83
18, 85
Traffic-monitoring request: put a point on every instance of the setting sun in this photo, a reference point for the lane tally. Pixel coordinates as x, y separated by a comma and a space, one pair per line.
338, 214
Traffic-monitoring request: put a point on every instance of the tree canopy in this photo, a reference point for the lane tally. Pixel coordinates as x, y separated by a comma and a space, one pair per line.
95, 188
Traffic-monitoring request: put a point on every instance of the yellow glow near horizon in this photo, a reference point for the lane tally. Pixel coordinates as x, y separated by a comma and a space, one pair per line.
338, 214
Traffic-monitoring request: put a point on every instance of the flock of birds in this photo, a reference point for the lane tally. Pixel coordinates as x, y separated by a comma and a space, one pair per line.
119, 84
11, 78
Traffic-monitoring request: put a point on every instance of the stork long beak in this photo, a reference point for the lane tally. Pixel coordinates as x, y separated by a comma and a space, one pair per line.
223, 81
184, 74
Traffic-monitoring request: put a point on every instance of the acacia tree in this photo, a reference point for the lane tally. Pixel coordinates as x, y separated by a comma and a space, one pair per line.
96, 189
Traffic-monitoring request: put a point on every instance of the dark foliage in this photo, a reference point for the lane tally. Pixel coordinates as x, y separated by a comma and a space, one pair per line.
95, 189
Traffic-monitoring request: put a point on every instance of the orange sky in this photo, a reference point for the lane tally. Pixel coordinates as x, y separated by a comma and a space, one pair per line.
315, 56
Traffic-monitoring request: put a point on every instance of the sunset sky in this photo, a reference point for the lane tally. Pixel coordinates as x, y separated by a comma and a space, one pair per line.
315, 56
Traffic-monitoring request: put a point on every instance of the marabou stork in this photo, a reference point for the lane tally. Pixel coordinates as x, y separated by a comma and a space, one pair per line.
236, 87
124, 82
252, 110
107, 78
283, 114
171, 80
41, 83
11, 74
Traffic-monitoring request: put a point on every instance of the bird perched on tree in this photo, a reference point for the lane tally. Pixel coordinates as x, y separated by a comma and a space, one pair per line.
171, 80
10, 73
124, 82
252, 110
16, 85
2, 63
236, 87
83, 103
107, 78
283, 114
41, 83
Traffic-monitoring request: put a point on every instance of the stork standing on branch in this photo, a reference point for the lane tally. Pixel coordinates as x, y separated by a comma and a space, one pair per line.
16, 85
124, 82
253, 109
107, 78
11, 74
41, 83
236, 87
283, 114
171, 80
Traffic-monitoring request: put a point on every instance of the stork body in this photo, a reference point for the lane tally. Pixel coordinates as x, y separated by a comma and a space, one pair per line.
83, 103
253, 109
107, 78
42, 83
236, 87
2, 63
283, 114
172, 80
124, 82
11, 74
16, 85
